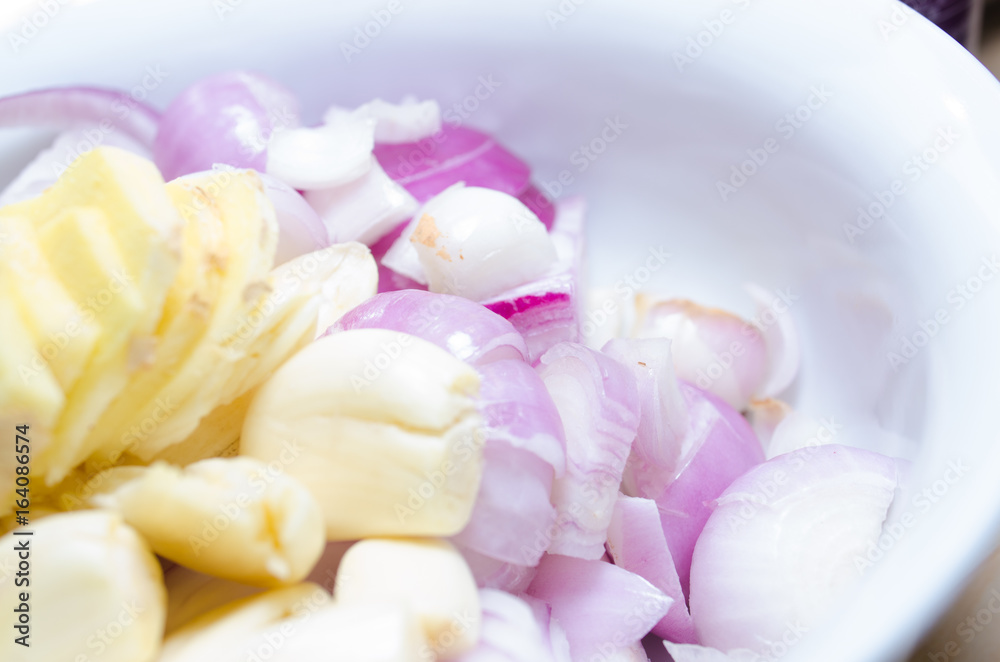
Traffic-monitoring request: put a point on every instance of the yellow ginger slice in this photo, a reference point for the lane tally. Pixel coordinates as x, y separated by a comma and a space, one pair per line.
80, 245
29, 396
64, 334
191, 362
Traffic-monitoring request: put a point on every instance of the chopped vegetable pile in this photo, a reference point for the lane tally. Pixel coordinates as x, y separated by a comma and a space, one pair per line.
323, 393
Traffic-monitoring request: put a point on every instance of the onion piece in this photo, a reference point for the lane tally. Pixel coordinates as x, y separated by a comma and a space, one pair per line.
602, 607
636, 543
474, 242
539, 204
510, 632
695, 653
465, 329
512, 506
405, 122
227, 118
719, 447
389, 280
598, 403
783, 543
365, 209
781, 339
558, 643
454, 154
64, 108
712, 348
324, 156
517, 409
525, 450
547, 311
50, 163
663, 421
493, 573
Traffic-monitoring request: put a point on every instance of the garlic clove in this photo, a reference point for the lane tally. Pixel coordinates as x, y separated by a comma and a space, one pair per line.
380, 426
429, 577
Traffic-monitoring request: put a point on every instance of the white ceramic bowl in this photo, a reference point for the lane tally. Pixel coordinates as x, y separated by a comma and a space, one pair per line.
885, 87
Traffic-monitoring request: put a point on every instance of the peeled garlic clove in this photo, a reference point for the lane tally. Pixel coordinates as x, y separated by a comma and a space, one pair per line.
192, 594
234, 518
94, 591
429, 577
386, 428
295, 624
329, 155
476, 243
712, 349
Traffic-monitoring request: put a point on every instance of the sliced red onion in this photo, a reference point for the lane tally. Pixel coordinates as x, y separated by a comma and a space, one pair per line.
716, 350
719, 447
464, 328
509, 632
389, 280
695, 653
547, 310
597, 400
365, 209
454, 154
406, 122
322, 157
49, 164
637, 544
64, 108
512, 506
602, 607
663, 422
474, 242
781, 339
555, 633
782, 544
227, 118
540, 205
518, 409
493, 573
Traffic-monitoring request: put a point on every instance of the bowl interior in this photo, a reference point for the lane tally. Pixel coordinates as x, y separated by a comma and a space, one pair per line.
844, 153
